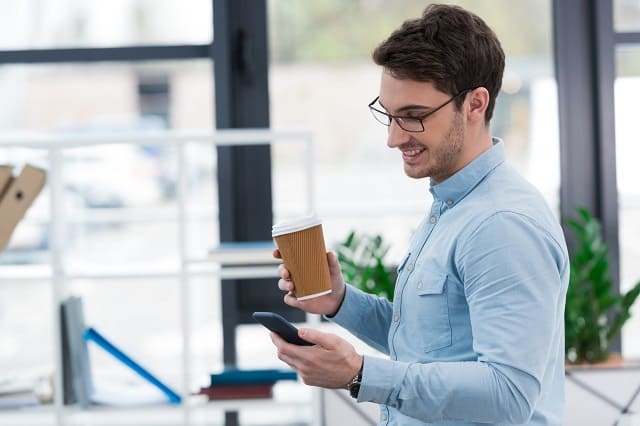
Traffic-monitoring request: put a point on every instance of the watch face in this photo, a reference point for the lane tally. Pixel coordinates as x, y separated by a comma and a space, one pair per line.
354, 390
354, 386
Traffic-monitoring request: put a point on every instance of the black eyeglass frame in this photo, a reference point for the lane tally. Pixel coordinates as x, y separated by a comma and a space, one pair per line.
399, 118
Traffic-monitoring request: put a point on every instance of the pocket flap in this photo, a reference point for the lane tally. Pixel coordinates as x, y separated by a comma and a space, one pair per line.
432, 283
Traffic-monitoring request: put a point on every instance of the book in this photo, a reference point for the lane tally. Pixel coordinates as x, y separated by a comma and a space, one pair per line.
91, 334
12, 385
244, 253
77, 381
18, 401
17, 392
68, 394
238, 391
238, 376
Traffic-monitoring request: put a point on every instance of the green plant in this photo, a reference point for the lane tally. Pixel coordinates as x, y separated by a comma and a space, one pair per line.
361, 259
593, 316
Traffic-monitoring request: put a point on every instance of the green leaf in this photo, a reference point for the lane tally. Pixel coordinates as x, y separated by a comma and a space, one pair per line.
594, 315
361, 257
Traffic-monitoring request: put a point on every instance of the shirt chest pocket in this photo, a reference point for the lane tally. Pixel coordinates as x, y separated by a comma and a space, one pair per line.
429, 296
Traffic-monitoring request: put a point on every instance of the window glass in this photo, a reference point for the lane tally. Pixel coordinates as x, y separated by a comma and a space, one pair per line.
115, 195
627, 152
626, 15
322, 78
111, 97
29, 24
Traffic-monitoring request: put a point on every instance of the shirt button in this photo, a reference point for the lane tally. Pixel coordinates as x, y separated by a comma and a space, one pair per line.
449, 202
383, 417
410, 266
396, 318
433, 219
420, 285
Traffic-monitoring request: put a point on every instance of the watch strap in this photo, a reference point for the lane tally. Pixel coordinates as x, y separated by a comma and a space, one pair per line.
354, 385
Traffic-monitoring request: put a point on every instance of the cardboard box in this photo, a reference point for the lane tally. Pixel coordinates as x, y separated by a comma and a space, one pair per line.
16, 196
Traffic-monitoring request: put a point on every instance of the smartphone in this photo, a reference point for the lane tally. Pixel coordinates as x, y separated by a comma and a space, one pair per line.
278, 324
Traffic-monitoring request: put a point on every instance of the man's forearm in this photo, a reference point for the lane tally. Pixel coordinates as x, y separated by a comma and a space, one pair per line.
365, 316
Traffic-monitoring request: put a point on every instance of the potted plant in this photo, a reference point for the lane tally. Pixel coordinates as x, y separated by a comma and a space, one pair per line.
594, 316
361, 259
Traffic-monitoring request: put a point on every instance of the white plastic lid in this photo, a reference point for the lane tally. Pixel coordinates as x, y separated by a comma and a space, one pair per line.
293, 225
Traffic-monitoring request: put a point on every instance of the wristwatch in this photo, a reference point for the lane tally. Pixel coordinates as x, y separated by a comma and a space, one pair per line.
354, 385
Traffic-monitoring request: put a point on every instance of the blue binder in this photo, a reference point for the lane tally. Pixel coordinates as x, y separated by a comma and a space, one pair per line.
246, 377
91, 334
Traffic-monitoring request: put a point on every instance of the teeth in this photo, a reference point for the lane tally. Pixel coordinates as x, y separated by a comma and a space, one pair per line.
413, 152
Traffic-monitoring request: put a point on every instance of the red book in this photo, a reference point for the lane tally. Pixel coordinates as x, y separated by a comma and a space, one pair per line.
238, 391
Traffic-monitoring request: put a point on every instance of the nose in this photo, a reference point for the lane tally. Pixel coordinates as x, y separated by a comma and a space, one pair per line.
396, 135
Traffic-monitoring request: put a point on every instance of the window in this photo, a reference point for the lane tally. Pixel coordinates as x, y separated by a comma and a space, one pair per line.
31, 24
626, 15
627, 152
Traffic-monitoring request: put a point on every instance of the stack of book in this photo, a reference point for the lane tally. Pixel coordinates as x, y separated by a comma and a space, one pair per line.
237, 384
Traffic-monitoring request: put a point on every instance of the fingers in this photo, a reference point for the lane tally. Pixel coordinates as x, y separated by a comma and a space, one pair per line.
334, 265
291, 300
279, 343
276, 254
284, 272
285, 283
326, 340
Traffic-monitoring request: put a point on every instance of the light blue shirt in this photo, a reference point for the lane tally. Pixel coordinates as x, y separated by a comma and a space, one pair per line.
475, 334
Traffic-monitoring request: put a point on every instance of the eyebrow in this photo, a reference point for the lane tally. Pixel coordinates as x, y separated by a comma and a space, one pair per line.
406, 107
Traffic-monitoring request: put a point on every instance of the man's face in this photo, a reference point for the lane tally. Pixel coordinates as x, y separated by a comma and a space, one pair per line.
437, 152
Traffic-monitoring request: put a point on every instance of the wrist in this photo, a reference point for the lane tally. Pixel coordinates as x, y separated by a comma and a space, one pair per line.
340, 300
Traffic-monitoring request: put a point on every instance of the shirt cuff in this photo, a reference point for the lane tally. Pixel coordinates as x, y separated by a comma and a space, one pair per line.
381, 380
346, 313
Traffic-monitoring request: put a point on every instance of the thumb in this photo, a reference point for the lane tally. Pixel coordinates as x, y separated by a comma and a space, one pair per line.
317, 337
334, 265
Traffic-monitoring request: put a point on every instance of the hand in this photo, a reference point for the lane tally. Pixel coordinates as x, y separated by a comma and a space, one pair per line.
331, 363
325, 305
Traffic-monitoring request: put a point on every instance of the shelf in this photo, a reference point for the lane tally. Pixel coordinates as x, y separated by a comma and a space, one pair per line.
228, 261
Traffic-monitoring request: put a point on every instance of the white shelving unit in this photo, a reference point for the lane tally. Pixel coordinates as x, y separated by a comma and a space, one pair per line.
56, 273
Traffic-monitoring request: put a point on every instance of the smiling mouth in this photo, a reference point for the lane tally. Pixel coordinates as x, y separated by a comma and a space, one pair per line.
412, 153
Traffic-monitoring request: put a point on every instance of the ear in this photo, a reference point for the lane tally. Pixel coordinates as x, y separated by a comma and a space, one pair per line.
477, 101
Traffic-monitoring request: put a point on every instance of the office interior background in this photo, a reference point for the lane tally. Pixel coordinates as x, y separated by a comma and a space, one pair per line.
73, 67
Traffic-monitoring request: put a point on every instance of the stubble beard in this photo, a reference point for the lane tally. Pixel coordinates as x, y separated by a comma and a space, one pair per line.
443, 159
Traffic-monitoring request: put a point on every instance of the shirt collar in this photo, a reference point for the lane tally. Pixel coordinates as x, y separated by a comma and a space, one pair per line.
454, 188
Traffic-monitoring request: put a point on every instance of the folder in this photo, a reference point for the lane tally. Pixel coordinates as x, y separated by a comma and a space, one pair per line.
265, 376
91, 334
77, 379
17, 195
5, 178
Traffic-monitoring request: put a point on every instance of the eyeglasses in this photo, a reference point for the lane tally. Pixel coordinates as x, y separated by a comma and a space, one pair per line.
409, 124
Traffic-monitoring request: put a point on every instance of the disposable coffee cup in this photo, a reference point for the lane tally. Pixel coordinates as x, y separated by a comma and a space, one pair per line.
301, 244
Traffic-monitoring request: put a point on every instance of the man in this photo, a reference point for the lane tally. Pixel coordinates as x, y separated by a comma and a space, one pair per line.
475, 334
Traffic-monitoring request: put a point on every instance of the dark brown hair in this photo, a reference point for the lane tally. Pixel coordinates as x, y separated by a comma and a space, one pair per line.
448, 46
